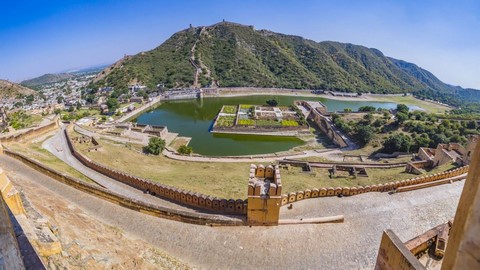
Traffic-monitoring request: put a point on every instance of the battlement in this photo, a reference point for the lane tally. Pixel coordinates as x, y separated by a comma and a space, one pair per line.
264, 195
264, 181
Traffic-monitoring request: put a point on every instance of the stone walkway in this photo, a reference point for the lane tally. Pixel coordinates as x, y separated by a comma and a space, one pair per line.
349, 245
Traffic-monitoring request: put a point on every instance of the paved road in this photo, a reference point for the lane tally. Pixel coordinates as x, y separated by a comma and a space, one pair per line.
350, 245
57, 145
139, 110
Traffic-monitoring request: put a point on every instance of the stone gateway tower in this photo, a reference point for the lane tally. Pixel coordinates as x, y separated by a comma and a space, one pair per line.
264, 195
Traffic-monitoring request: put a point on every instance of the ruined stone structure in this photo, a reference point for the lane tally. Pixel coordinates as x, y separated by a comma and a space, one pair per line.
317, 115
444, 153
264, 195
452, 152
463, 247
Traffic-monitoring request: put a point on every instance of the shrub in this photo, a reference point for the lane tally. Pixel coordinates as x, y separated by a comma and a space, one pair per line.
155, 146
185, 150
364, 133
367, 109
402, 108
397, 143
272, 102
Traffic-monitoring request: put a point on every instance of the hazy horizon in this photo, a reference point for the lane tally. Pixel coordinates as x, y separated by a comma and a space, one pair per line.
438, 36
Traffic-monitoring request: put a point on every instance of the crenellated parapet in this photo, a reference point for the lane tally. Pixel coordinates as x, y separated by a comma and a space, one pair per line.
264, 195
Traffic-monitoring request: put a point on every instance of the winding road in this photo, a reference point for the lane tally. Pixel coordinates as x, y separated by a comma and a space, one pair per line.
58, 146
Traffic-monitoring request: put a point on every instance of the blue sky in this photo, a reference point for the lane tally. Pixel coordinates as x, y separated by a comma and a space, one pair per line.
38, 37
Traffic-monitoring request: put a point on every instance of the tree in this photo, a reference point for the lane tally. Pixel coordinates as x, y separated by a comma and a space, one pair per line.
29, 100
438, 138
155, 146
367, 109
272, 102
401, 117
397, 143
112, 104
472, 124
185, 150
364, 133
402, 108
420, 141
79, 105
368, 118
347, 110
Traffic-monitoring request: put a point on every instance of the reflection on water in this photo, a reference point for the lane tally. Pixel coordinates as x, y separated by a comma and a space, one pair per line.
193, 118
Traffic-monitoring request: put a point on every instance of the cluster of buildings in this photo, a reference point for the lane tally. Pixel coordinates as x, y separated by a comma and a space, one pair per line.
443, 154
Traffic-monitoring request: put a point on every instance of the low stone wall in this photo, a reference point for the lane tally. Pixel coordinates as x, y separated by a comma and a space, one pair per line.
350, 191
302, 163
33, 132
185, 197
10, 195
10, 256
416, 166
154, 210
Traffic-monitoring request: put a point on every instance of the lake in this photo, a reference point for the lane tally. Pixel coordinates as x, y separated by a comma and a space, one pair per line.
194, 118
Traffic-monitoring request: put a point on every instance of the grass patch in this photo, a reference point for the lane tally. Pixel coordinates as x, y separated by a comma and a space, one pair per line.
289, 123
246, 106
229, 109
227, 180
225, 121
246, 122
410, 100
268, 123
294, 179
35, 151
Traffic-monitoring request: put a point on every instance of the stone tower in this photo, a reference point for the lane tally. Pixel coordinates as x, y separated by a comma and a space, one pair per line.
264, 195
472, 142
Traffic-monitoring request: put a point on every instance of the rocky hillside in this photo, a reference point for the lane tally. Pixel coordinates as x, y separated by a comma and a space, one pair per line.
229, 55
13, 90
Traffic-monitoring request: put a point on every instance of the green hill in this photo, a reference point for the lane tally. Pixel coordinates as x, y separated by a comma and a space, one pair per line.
46, 79
232, 55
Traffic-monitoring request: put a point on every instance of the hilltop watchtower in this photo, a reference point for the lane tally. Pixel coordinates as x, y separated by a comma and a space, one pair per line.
264, 195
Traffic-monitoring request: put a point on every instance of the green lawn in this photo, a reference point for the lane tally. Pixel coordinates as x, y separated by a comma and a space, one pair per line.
410, 100
227, 180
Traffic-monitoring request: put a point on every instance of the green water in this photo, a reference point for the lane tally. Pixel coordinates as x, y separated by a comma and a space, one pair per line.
194, 118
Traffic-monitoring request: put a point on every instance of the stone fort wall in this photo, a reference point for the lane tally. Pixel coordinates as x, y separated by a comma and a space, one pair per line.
10, 255
185, 197
108, 195
405, 185
33, 132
